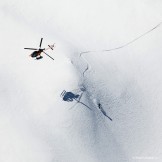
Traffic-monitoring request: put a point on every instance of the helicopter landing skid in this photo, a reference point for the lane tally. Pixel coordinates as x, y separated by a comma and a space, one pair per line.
38, 58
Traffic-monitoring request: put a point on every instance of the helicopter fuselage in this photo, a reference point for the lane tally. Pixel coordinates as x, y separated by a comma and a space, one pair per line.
36, 54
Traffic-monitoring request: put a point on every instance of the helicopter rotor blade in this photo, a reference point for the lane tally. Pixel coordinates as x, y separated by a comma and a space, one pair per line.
31, 48
40, 43
48, 55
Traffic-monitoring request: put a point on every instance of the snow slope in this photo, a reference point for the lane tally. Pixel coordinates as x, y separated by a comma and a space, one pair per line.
37, 125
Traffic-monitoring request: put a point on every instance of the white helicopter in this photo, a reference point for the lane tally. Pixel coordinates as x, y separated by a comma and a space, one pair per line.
37, 52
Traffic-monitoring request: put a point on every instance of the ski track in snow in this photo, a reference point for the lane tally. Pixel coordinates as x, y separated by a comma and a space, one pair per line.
88, 66
116, 48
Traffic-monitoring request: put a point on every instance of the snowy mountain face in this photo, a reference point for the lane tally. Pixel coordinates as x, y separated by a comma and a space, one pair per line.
107, 67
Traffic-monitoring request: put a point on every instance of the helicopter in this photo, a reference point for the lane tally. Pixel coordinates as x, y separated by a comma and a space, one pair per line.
37, 53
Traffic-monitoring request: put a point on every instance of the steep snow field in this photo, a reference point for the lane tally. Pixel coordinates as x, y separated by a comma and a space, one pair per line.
124, 85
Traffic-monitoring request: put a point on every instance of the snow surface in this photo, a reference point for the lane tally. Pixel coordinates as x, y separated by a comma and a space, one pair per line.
36, 125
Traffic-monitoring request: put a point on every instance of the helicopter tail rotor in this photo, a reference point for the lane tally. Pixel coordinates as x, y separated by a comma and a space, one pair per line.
51, 47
